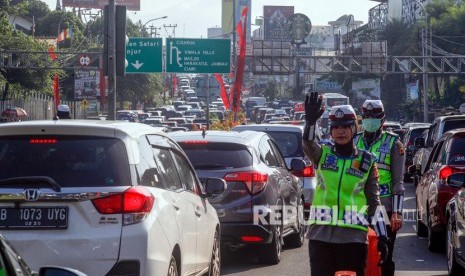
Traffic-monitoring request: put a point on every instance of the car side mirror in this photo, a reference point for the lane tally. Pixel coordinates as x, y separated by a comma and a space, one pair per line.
215, 186
419, 142
456, 180
297, 164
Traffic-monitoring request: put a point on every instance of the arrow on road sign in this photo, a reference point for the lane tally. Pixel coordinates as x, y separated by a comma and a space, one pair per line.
137, 65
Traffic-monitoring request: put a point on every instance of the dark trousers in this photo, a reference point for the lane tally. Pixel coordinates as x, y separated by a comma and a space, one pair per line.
328, 258
388, 268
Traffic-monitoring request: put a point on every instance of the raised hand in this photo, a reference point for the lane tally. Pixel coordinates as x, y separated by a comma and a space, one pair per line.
313, 107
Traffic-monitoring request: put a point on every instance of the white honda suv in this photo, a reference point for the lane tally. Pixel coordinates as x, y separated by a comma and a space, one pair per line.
106, 198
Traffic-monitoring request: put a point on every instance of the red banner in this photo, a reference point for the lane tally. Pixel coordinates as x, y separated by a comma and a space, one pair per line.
224, 94
242, 31
56, 91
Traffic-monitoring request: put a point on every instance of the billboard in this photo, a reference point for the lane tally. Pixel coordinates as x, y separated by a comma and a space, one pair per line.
86, 84
275, 18
132, 5
227, 22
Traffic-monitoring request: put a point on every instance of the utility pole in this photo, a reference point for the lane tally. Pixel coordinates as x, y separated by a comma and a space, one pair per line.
111, 60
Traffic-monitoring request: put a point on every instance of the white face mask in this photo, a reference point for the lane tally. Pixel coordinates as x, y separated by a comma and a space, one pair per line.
371, 124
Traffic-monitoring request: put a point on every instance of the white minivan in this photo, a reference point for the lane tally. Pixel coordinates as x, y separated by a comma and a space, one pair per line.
106, 198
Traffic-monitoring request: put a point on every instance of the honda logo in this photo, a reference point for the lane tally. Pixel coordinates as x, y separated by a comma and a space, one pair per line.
31, 195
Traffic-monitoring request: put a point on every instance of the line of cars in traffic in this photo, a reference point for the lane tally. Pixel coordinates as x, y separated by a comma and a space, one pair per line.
121, 198
436, 161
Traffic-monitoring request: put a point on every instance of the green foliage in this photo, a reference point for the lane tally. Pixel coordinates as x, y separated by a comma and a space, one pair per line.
401, 38
23, 80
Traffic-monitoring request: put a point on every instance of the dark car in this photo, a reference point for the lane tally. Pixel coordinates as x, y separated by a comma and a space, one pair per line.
259, 184
288, 138
433, 192
455, 215
409, 145
439, 126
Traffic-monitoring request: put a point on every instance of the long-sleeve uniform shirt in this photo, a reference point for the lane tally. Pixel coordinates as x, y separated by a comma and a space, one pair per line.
334, 234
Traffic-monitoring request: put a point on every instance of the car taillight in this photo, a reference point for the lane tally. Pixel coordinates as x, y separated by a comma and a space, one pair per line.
308, 171
445, 172
135, 204
255, 181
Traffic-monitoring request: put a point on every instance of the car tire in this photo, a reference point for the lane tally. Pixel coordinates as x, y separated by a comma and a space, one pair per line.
435, 239
271, 253
422, 230
453, 267
297, 239
173, 268
215, 261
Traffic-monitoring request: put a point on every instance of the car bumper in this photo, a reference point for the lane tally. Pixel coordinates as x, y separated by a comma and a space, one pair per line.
232, 233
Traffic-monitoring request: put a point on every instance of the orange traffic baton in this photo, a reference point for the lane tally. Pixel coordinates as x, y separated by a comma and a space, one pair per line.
345, 273
372, 268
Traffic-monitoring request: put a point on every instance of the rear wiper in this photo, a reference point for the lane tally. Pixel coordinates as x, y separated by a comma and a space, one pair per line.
209, 166
31, 182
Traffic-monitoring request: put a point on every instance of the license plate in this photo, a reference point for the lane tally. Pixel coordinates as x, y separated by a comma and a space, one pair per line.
28, 218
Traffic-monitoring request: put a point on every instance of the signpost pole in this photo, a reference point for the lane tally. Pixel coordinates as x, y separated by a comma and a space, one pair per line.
208, 101
111, 60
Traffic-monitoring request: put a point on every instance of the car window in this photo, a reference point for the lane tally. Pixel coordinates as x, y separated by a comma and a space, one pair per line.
186, 173
277, 154
457, 151
453, 124
217, 155
266, 153
103, 161
290, 143
167, 168
431, 138
434, 155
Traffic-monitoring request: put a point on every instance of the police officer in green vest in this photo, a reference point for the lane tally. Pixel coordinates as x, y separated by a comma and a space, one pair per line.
346, 199
390, 158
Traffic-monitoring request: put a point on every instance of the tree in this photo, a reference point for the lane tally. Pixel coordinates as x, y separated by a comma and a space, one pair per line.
23, 81
30, 9
402, 40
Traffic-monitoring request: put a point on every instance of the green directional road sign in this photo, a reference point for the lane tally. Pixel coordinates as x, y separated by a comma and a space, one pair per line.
187, 55
144, 55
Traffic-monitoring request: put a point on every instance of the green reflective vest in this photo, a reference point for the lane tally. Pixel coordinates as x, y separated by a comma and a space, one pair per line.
381, 149
340, 193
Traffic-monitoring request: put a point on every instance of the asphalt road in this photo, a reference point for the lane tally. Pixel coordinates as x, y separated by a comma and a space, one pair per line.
411, 254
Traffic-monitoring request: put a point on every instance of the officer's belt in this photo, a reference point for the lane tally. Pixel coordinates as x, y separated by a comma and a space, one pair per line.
383, 166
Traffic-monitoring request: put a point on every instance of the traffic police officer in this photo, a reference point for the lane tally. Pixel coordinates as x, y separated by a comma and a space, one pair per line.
389, 154
346, 197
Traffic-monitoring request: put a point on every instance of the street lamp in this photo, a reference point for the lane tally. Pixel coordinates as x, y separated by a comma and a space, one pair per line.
143, 26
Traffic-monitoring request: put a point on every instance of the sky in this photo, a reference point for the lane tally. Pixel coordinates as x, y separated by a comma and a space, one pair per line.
194, 17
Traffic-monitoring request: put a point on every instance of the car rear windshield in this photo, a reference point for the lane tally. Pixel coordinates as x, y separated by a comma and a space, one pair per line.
72, 161
220, 156
457, 151
290, 143
415, 133
453, 124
